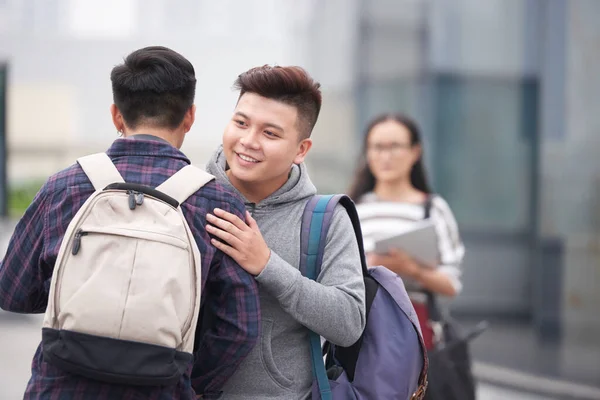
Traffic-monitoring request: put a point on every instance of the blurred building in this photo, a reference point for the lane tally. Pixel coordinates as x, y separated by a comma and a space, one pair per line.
507, 93
60, 54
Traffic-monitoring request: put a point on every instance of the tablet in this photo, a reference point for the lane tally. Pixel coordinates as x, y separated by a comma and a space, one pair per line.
420, 242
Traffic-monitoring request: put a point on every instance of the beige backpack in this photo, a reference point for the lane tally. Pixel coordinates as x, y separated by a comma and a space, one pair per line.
125, 292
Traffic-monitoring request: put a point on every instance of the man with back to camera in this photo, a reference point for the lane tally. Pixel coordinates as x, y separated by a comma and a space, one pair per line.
153, 110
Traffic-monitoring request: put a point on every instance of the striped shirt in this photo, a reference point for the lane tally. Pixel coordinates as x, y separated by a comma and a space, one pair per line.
382, 219
228, 292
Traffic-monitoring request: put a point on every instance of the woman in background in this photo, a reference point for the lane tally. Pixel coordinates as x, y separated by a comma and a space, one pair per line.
392, 193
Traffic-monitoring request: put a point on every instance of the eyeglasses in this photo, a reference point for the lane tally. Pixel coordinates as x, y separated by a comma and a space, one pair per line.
392, 148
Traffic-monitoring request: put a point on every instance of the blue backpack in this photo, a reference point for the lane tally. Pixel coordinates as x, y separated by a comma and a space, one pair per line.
389, 361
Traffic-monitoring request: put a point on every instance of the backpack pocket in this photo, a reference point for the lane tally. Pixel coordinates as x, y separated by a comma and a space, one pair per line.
126, 284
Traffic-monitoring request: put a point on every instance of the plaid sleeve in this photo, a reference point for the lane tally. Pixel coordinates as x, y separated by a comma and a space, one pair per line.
23, 272
233, 309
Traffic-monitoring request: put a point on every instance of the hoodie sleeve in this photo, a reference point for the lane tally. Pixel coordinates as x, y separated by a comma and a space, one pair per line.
334, 305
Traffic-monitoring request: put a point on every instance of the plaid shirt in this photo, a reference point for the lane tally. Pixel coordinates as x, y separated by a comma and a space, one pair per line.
229, 293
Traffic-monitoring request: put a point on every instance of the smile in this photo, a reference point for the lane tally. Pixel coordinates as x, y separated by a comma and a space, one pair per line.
246, 158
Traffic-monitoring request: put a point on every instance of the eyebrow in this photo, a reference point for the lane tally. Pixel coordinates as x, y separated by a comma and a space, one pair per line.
269, 124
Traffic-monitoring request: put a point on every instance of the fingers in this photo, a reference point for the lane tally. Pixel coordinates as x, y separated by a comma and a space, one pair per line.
397, 254
231, 225
251, 221
381, 259
227, 237
231, 218
373, 259
230, 251
224, 230
221, 223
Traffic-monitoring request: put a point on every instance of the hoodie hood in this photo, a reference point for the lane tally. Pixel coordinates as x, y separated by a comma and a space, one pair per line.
297, 187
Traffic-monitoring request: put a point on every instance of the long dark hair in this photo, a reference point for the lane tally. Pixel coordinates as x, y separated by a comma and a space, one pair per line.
364, 180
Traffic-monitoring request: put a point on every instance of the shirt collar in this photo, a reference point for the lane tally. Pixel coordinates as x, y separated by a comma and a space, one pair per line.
145, 136
154, 147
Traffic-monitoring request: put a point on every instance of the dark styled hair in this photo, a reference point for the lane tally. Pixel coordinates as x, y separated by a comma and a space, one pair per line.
364, 180
289, 85
154, 85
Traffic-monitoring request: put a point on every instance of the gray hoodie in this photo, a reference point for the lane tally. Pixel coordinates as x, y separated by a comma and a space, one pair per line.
280, 367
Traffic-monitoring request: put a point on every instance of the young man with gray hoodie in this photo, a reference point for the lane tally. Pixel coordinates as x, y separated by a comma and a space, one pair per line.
264, 146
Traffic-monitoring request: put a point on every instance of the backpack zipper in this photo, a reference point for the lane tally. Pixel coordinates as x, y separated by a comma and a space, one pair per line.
135, 199
130, 233
77, 241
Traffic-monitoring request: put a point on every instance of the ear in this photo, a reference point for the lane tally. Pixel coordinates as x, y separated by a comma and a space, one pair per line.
303, 148
189, 118
117, 118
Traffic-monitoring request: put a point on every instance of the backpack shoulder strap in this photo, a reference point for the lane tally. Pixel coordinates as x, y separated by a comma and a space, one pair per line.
100, 170
316, 220
185, 182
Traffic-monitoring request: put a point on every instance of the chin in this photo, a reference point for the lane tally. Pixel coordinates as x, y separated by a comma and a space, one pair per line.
244, 175
388, 177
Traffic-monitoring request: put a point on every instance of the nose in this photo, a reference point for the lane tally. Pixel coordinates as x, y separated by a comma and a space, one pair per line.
250, 139
383, 155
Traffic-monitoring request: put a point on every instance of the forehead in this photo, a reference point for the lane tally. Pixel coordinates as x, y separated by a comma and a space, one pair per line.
268, 111
389, 131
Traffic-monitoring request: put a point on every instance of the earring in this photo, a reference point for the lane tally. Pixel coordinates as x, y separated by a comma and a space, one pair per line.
120, 133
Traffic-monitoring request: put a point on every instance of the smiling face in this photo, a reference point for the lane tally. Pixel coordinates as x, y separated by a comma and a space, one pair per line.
261, 143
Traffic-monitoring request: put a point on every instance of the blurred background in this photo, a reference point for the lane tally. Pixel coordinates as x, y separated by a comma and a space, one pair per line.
507, 93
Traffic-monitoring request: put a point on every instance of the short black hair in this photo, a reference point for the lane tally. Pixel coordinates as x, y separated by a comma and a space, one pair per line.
154, 85
290, 85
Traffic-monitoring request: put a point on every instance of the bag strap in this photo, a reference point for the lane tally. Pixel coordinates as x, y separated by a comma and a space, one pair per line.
348, 356
324, 206
316, 220
428, 205
100, 170
310, 241
185, 182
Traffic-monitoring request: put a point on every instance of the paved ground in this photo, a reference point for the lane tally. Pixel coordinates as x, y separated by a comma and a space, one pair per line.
20, 335
489, 392
518, 346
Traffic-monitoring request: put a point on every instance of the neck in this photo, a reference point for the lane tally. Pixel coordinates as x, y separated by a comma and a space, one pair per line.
168, 135
255, 192
400, 190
